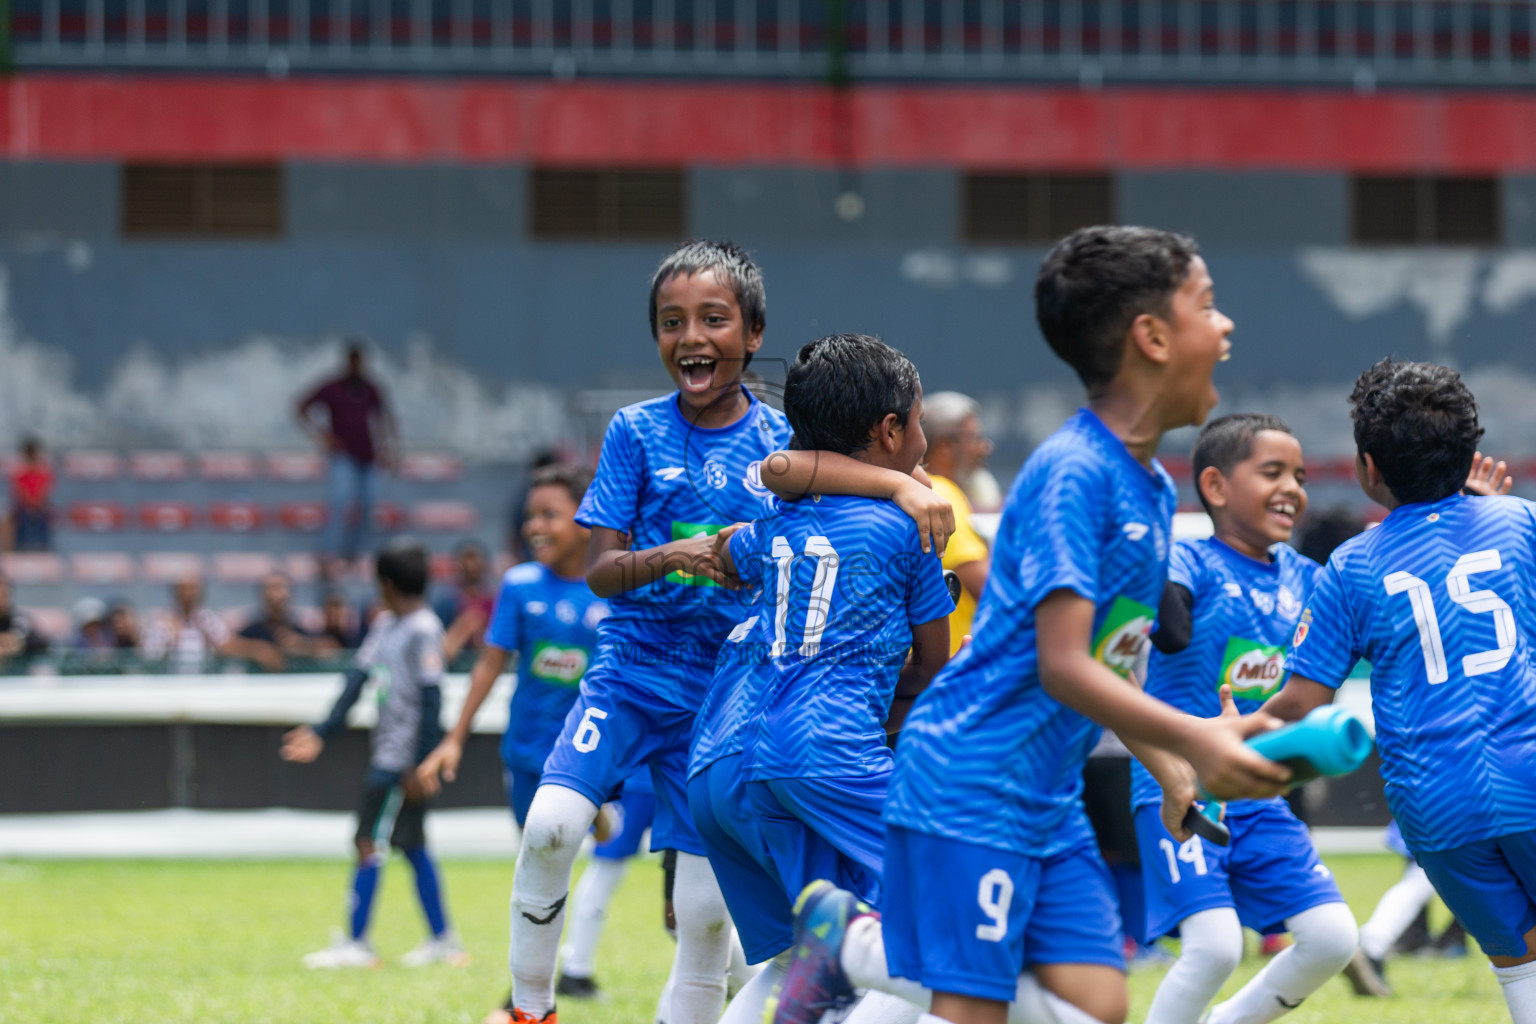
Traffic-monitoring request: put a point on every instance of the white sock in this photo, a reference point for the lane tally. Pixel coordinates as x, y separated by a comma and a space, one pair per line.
589, 912
747, 1007
863, 960
739, 972
664, 1001
883, 1008
1395, 911
703, 943
1325, 940
1211, 948
558, 820
1519, 984
1032, 1004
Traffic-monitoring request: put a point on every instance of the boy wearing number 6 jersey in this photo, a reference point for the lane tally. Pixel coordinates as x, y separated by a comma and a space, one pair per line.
1441, 599
788, 773
1230, 607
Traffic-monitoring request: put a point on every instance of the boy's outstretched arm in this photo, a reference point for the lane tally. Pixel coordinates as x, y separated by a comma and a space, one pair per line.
305, 743
1226, 767
442, 764
1298, 696
794, 474
930, 652
613, 569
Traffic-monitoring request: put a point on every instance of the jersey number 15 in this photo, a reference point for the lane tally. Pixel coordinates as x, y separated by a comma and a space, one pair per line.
1480, 602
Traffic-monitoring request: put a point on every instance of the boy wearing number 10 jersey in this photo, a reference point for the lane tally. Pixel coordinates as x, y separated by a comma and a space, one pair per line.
1441, 599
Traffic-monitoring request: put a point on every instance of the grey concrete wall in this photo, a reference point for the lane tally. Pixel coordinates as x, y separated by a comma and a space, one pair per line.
1250, 209
58, 200
431, 202
768, 205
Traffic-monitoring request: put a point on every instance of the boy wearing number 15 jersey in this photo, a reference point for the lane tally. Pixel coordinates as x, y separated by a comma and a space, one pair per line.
1441, 599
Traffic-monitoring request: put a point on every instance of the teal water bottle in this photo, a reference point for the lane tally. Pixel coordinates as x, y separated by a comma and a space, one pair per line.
1328, 741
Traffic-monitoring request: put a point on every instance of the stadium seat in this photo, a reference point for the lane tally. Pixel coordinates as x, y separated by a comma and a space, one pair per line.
302, 516
53, 623
295, 466
102, 568
92, 465
97, 516
388, 517
236, 516
431, 467
301, 567
242, 566
167, 516
33, 567
170, 566
158, 465
444, 516
226, 466
1177, 466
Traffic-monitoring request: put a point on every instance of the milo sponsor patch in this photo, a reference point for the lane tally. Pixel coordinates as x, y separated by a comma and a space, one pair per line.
681, 531
1123, 635
556, 664
1253, 670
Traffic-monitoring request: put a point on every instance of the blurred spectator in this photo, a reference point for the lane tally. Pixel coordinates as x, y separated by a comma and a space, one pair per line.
338, 621
19, 642
93, 632
273, 635
1326, 529
186, 637
957, 448
466, 611
359, 432
32, 499
123, 623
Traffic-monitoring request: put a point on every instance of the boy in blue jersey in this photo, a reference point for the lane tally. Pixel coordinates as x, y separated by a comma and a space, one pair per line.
1230, 607
1439, 599
548, 617
673, 471
994, 889
790, 765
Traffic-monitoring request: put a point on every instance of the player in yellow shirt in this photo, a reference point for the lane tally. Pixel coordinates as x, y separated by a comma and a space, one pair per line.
957, 448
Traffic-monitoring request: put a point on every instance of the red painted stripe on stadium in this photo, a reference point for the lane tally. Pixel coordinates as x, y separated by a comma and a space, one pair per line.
96, 117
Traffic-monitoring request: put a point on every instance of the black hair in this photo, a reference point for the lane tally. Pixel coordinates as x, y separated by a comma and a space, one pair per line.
732, 266
1096, 282
1227, 441
840, 387
1418, 423
572, 477
404, 564
30, 444
1326, 530
470, 544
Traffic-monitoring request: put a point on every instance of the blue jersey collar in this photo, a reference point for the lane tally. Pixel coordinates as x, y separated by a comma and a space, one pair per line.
747, 418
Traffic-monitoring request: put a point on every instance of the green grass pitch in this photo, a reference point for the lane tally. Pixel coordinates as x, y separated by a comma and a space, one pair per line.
219, 943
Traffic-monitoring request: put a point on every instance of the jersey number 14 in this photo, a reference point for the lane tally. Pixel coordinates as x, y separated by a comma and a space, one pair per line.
1480, 602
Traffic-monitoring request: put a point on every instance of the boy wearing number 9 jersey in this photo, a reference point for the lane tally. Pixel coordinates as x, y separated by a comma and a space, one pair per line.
1441, 599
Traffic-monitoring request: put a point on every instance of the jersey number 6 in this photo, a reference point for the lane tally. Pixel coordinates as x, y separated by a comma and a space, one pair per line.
587, 736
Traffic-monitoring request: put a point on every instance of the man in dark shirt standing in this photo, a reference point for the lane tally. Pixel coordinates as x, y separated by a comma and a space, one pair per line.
358, 434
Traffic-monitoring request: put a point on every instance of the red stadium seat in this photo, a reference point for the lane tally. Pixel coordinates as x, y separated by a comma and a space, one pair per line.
158, 465
33, 567
103, 568
97, 516
1178, 467
302, 516
170, 566
431, 467
296, 466
226, 466
236, 516
388, 517
242, 566
445, 516
92, 465
167, 516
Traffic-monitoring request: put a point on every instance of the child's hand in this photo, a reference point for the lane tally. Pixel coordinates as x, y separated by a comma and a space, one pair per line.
1488, 478
302, 745
933, 515
1228, 768
1180, 791
700, 556
442, 762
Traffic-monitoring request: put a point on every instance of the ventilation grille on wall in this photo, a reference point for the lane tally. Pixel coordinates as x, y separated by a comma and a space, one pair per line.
202, 200
608, 203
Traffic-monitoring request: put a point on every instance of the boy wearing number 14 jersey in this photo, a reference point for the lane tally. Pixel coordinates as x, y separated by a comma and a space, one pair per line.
1439, 598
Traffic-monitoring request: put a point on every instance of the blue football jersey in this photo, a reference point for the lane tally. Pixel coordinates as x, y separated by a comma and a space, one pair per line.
1441, 598
844, 580
661, 479
551, 623
987, 756
1244, 614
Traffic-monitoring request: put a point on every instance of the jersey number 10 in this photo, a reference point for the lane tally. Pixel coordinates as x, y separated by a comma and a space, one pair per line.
1480, 602
784, 556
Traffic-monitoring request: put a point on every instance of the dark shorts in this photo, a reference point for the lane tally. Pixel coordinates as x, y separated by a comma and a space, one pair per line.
384, 813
